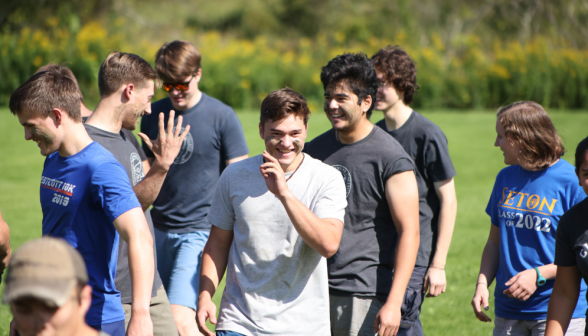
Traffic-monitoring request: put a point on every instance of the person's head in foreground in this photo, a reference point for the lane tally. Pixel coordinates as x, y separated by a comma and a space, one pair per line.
283, 125
46, 288
178, 66
67, 72
47, 105
527, 137
130, 80
582, 164
396, 77
350, 85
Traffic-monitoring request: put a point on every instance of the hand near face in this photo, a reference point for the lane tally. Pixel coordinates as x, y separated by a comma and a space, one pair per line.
274, 176
168, 144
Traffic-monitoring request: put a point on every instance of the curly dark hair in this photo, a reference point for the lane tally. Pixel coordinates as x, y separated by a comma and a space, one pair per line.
581, 154
357, 71
399, 70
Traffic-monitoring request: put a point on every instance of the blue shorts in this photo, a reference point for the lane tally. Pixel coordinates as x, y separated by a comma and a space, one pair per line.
112, 329
178, 263
227, 333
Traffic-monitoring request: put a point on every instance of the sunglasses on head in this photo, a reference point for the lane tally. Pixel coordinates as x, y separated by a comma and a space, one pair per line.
167, 87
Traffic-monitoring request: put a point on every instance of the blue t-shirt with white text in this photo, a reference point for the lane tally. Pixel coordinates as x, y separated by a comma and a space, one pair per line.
526, 206
81, 196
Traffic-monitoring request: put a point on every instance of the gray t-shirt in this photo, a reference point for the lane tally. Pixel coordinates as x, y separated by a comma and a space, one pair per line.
125, 152
364, 263
276, 283
215, 136
426, 144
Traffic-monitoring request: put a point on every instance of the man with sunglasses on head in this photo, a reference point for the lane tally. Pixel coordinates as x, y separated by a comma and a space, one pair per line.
215, 139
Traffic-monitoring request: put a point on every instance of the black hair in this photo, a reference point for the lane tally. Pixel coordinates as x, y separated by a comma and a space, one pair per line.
357, 71
581, 153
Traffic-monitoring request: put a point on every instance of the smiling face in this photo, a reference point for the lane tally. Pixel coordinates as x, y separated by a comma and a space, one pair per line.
342, 108
139, 105
284, 139
41, 130
509, 150
387, 96
183, 100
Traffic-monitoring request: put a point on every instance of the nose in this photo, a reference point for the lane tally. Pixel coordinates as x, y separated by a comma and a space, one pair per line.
287, 141
148, 109
28, 134
332, 104
496, 143
174, 91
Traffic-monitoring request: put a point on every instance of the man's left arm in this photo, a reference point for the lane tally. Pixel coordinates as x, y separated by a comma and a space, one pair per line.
403, 199
165, 148
435, 279
132, 227
323, 235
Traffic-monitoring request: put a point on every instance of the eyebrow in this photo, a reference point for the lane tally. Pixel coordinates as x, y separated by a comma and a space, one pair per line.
327, 94
292, 131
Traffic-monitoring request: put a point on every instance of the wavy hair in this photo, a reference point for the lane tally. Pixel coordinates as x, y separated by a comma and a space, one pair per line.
398, 69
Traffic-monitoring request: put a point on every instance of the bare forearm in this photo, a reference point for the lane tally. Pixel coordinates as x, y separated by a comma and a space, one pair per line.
563, 300
322, 235
548, 271
148, 189
5, 250
141, 266
214, 264
446, 224
489, 263
404, 261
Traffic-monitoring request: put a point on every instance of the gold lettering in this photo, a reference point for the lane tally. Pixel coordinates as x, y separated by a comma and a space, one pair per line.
503, 196
510, 198
550, 207
521, 199
533, 201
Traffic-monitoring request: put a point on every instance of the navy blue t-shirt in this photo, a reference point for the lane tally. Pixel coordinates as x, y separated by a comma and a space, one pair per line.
526, 207
215, 136
81, 195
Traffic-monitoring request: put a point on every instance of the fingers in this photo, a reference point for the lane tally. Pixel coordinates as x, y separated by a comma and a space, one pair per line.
512, 280
170, 123
161, 126
426, 284
146, 140
202, 322
178, 126
269, 157
186, 131
377, 324
267, 171
477, 301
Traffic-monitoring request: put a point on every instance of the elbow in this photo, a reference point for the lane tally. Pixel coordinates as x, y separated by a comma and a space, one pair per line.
330, 249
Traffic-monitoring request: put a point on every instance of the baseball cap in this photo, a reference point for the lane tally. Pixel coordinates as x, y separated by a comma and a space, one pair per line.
47, 269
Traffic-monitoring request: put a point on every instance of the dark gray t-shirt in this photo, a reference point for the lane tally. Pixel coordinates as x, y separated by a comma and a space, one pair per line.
571, 242
426, 144
364, 263
125, 152
215, 136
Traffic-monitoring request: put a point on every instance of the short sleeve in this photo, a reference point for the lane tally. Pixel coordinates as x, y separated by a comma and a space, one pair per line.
221, 213
332, 198
112, 190
233, 142
564, 249
437, 161
133, 139
492, 207
400, 165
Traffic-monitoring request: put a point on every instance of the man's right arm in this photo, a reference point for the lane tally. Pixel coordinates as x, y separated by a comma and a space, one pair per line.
5, 251
214, 263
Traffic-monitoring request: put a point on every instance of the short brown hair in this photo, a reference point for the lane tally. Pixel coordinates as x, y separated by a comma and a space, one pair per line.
281, 103
63, 69
398, 69
526, 123
123, 68
47, 90
177, 60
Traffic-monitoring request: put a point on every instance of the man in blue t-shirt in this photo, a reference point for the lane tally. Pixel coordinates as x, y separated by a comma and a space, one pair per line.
87, 199
215, 139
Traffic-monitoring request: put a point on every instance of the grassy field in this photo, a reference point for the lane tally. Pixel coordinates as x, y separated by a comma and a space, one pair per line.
471, 138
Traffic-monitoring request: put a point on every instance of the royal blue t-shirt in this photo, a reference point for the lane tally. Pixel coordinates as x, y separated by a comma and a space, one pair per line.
526, 206
81, 195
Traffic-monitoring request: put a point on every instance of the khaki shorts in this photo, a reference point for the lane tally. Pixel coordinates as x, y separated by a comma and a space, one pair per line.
161, 315
507, 327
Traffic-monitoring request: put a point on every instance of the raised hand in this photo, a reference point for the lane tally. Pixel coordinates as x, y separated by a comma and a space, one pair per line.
168, 144
274, 175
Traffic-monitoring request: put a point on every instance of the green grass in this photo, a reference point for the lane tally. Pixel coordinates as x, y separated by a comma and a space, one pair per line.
471, 138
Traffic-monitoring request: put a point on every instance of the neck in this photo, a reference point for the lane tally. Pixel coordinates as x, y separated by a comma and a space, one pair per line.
74, 140
294, 165
108, 115
357, 132
397, 115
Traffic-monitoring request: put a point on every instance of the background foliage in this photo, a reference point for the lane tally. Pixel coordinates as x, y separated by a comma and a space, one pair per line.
474, 54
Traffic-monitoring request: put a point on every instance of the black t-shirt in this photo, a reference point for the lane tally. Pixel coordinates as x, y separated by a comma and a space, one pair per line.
121, 146
133, 139
215, 136
426, 144
571, 242
364, 263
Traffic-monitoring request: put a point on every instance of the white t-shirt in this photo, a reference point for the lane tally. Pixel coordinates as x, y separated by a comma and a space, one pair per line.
276, 283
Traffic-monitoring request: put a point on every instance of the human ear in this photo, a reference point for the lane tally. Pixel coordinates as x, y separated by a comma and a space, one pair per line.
261, 131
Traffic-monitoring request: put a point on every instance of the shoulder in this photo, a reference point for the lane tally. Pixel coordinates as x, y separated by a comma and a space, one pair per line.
214, 105
318, 141
387, 142
251, 163
575, 214
423, 126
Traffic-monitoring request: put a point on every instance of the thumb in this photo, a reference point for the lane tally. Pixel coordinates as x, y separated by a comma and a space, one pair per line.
212, 318
146, 140
485, 303
377, 323
427, 284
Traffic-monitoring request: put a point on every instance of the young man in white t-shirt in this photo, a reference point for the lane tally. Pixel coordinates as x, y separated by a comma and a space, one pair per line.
275, 218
